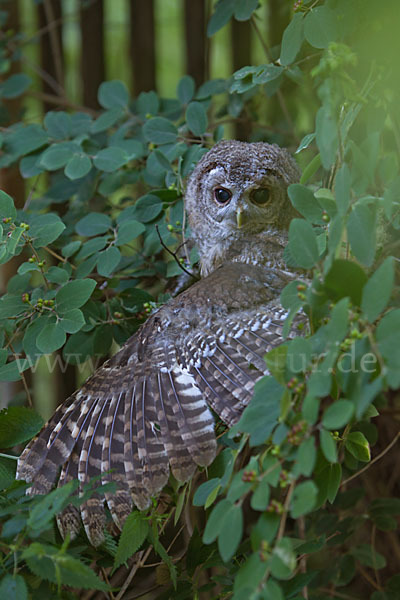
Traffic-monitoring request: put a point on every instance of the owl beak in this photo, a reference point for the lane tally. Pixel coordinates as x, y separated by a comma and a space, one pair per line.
239, 217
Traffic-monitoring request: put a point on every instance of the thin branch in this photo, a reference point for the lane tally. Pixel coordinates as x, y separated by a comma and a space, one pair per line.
374, 460
288, 498
173, 254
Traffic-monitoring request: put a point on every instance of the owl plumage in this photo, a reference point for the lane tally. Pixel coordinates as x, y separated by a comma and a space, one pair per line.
146, 411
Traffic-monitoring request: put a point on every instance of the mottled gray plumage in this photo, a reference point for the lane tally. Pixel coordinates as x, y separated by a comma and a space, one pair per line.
147, 409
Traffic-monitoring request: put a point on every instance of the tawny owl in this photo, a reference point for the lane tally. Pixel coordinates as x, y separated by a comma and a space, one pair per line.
149, 408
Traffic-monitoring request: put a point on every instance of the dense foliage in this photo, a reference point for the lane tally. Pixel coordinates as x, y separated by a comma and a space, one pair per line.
290, 508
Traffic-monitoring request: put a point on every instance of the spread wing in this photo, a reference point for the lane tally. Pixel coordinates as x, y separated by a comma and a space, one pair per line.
147, 410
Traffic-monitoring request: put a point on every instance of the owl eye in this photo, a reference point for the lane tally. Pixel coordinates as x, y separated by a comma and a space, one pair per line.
222, 195
261, 196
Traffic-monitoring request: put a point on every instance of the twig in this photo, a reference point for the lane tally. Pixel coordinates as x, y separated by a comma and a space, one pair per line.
173, 254
374, 460
279, 94
288, 498
61, 101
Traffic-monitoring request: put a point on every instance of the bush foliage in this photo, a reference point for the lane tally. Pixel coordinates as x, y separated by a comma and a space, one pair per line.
290, 508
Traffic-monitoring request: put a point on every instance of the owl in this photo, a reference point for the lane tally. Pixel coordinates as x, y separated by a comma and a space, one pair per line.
149, 410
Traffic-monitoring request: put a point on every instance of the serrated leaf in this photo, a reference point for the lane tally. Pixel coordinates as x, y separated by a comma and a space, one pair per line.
134, 532
17, 425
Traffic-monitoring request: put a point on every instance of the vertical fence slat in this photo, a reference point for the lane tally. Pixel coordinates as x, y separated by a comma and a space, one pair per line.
196, 40
92, 51
143, 54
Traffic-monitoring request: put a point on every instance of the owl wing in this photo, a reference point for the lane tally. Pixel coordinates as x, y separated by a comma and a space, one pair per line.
146, 411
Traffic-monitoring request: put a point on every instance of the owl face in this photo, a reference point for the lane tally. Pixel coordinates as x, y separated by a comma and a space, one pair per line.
239, 189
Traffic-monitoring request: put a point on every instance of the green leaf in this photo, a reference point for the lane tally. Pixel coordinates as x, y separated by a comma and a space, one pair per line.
361, 231
106, 120
345, 279
303, 243
15, 85
49, 505
292, 39
283, 560
12, 370
45, 229
108, 260
185, 89
338, 414
24, 140
326, 136
304, 499
57, 275
110, 159
320, 27
72, 321
305, 202
147, 208
51, 338
231, 532
244, 9
368, 556
328, 446
17, 425
7, 208
204, 490
215, 520
342, 189
196, 118
78, 166
93, 224
260, 498
305, 457
262, 414
134, 532
357, 444
74, 294
7, 474
223, 12
377, 290
113, 94
128, 231
58, 124
334, 479
58, 155
298, 355
160, 131
13, 587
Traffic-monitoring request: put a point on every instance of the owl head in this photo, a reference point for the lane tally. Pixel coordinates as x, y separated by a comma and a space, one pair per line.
239, 189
